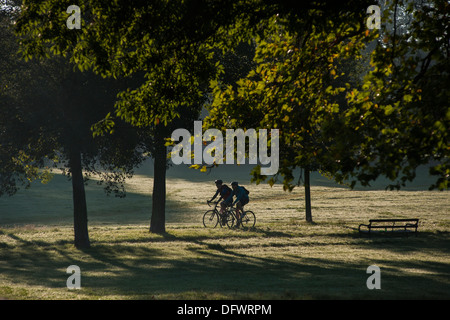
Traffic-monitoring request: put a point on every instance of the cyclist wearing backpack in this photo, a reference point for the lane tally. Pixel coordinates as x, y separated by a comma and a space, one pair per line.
224, 192
241, 199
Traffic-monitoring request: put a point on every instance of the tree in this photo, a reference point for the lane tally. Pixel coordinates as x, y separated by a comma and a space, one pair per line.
401, 111
388, 124
295, 87
47, 113
170, 97
128, 37
165, 41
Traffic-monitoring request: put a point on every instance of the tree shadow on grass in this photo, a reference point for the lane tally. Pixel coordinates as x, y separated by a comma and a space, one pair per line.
145, 271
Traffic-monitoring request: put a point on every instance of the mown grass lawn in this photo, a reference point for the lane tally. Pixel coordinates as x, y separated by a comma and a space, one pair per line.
283, 257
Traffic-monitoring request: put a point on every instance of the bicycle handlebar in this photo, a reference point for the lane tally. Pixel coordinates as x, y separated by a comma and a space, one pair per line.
213, 202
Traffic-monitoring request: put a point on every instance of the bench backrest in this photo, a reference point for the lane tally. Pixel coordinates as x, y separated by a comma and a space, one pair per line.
393, 220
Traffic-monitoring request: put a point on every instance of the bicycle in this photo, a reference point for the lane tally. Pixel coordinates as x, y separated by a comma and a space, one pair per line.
247, 220
212, 218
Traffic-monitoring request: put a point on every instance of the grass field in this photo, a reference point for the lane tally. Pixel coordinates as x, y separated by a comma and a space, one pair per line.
283, 257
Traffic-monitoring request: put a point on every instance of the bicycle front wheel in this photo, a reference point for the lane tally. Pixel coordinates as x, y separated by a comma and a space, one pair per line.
249, 220
210, 219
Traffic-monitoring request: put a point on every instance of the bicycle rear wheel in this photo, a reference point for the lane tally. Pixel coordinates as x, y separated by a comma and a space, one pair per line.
210, 219
249, 220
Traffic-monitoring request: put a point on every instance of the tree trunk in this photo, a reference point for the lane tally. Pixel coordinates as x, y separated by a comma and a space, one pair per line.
79, 202
307, 196
158, 220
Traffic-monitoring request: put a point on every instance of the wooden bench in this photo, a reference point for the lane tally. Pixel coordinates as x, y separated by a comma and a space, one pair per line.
390, 226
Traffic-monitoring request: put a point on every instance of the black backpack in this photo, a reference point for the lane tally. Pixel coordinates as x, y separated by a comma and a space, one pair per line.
225, 191
246, 190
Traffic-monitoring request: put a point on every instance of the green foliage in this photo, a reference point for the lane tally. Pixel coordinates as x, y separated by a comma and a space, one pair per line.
168, 42
302, 82
308, 83
47, 110
402, 111
294, 86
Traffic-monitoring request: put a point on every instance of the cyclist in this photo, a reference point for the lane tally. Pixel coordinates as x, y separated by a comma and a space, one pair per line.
224, 192
241, 200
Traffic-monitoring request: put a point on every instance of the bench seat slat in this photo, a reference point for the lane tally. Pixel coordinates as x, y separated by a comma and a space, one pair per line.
392, 220
396, 227
390, 224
